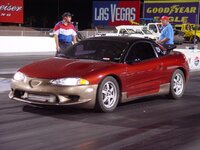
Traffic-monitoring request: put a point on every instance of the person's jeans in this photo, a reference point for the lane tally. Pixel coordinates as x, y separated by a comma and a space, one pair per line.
63, 48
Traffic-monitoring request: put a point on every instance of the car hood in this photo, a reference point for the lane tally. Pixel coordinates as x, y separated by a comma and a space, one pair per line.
54, 68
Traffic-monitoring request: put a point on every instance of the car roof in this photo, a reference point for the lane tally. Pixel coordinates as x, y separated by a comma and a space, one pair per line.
129, 27
119, 38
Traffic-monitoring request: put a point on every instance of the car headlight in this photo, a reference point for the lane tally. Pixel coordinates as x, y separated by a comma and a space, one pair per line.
69, 81
19, 76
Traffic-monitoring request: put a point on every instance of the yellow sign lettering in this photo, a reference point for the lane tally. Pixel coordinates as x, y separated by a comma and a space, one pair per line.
172, 9
187, 10
193, 10
166, 10
184, 19
149, 10
155, 10
181, 10
179, 19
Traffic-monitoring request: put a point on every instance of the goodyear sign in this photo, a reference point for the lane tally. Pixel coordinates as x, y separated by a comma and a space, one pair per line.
178, 11
113, 13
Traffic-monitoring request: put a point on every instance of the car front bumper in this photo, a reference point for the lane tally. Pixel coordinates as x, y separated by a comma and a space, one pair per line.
42, 92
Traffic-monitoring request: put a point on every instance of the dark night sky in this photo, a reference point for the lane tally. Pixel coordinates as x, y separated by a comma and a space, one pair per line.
45, 13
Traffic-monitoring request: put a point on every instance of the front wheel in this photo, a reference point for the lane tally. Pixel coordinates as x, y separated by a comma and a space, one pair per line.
107, 95
177, 85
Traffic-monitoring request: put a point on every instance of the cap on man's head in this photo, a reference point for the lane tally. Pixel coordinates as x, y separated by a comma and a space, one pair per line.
164, 18
67, 14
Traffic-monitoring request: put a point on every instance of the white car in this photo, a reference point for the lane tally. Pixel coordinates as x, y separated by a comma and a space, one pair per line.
131, 31
155, 28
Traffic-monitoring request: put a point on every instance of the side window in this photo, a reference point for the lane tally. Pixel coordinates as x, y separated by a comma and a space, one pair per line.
138, 31
153, 28
123, 31
141, 51
130, 31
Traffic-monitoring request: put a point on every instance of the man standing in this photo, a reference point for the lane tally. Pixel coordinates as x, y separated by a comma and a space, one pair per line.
167, 33
65, 34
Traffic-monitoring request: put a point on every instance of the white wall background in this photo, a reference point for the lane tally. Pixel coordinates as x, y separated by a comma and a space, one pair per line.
21, 44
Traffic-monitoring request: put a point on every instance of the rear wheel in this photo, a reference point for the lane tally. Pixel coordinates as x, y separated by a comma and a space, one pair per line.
107, 95
177, 86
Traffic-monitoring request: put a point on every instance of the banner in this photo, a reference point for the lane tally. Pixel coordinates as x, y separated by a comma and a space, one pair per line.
178, 11
113, 13
12, 11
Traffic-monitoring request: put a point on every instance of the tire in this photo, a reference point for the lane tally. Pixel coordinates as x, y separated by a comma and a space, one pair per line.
107, 95
177, 85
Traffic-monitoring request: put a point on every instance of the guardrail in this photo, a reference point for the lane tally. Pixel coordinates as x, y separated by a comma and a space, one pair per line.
23, 33
86, 34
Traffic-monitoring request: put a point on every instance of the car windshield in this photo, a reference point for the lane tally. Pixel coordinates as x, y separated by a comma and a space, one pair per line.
130, 31
146, 31
115, 31
138, 31
101, 50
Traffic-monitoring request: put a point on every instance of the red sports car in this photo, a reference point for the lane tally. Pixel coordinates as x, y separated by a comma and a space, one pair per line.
102, 72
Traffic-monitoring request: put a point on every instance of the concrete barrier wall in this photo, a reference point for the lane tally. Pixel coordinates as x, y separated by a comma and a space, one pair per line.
18, 44
21, 44
193, 58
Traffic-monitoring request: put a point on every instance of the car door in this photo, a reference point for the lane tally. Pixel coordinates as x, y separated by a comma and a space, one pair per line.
154, 29
143, 69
